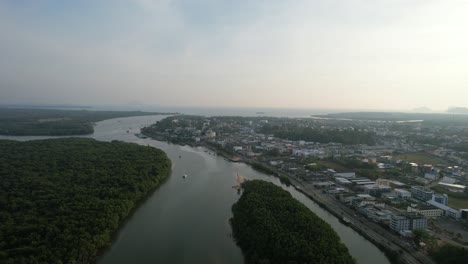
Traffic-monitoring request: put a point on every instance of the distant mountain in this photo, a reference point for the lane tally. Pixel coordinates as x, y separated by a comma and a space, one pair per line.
422, 109
458, 110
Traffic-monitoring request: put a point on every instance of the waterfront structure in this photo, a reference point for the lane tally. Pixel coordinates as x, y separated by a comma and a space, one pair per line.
421, 193
377, 213
407, 221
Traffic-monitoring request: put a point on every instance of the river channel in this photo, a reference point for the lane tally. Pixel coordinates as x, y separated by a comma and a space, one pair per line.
186, 220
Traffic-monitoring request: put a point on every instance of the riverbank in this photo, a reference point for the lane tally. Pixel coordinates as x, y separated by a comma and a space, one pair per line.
132, 212
290, 181
55, 181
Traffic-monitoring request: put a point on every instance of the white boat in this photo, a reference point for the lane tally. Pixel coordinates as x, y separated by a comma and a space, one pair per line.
185, 176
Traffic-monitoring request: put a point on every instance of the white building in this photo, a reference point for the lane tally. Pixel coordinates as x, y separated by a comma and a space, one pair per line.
345, 175
237, 148
403, 193
427, 211
421, 193
449, 211
407, 221
440, 198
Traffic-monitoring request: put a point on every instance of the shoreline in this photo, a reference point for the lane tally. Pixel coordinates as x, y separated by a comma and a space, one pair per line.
116, 233
389, 253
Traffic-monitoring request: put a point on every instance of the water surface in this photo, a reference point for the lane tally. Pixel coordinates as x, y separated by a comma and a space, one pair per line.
186, 220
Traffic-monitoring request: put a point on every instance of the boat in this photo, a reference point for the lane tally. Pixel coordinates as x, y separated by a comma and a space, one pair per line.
140, 136
185, 176
346, 220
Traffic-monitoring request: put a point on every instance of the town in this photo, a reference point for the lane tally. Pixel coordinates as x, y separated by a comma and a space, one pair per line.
402, 184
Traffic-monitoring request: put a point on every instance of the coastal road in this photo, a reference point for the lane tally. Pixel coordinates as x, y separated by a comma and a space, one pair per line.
371, 229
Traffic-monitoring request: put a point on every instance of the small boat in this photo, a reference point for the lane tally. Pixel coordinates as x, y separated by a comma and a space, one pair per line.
185, 176
141, 136
180, 157
346, 221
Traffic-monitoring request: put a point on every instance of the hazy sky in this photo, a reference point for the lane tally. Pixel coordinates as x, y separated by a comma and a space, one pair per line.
387, 54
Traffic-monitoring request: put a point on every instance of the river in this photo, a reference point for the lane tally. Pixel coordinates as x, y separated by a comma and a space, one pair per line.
186, 220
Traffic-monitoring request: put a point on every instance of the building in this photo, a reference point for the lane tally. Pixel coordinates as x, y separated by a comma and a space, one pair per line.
421, 193
345, 175
430, 176
440, 198
464, 213
429, 211
401, 193
428, 168
385, 182
449, 211
407, 221
237, 148
377, 213
414, 167
376, 190
342, 181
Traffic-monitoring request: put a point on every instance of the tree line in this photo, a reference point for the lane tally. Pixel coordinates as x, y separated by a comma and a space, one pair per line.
348, 137
61, 200
54, 122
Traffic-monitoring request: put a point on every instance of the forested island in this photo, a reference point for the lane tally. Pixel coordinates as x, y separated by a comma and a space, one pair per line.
270, 226
61, 200
54, 122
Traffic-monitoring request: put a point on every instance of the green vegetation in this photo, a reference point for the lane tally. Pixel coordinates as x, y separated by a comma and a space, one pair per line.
292, 132
420, 158
51, 122
449, 254
262, 168
61, 200
315, 167
332, 165
270, 226
422, 235
269, 170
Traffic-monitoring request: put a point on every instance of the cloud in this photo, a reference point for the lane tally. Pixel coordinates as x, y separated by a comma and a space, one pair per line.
235, 53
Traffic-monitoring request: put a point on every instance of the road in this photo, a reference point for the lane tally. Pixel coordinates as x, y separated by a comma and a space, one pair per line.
371, 229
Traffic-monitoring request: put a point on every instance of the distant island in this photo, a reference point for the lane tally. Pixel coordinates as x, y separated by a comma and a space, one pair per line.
458, 110
422, 109
428, 118
54, 122
270, 226
62, 200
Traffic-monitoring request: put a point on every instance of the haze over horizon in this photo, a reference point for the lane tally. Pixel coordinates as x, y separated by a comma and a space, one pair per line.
335, 54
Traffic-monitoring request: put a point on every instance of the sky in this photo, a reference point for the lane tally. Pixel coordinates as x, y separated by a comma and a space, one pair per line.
346, 54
